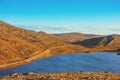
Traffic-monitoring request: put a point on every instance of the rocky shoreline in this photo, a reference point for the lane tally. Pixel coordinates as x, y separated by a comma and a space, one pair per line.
63, 76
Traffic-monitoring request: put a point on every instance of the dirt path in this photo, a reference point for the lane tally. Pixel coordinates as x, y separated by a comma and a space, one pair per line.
26, 60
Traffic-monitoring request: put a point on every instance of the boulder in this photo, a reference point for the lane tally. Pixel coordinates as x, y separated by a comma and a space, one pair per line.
30, 73
118, 53
14, 74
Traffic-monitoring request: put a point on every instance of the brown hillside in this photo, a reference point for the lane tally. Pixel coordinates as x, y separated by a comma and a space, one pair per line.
41, 39
17, 43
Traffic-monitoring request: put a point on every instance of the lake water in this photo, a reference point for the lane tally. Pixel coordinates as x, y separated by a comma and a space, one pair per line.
101, 61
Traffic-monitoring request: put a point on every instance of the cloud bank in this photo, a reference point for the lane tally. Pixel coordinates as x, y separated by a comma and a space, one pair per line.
74, 28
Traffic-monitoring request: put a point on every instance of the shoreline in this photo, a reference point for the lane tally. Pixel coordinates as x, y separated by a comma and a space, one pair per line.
44, 54
63, 76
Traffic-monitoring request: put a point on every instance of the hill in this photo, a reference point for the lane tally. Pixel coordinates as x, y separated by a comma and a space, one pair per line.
74, 37
17, 43
111, 42
41, 38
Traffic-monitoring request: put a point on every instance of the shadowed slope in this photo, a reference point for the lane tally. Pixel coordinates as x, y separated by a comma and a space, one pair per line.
112, 42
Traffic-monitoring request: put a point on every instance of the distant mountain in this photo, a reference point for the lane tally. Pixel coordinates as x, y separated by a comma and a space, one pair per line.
74, 37
114, 35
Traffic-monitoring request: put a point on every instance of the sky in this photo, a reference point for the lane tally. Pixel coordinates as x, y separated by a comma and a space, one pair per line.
61, 16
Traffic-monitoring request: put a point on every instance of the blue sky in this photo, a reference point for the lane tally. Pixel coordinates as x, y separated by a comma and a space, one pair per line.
57, 16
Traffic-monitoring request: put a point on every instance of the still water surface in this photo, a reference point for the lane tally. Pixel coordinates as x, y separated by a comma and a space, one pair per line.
101, 61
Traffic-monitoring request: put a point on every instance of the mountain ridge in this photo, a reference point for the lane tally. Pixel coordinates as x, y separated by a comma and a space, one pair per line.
76, 36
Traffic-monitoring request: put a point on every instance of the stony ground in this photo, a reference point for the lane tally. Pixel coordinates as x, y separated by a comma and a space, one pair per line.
64, 76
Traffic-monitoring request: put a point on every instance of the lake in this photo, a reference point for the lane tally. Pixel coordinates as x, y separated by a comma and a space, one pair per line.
100, 61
